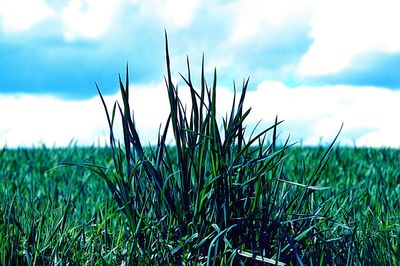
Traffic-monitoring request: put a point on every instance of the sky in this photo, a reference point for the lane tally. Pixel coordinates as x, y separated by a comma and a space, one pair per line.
314, 64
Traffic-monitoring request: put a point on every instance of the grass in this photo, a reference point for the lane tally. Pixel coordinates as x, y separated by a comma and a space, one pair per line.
38, 227
219, 196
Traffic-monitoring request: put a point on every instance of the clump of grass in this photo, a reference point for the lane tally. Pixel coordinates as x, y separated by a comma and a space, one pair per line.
217, 196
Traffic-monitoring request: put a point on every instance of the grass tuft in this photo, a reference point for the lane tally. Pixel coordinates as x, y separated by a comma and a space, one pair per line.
215, 196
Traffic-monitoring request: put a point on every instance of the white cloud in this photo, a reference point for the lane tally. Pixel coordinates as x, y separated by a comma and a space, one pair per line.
345, 30
314, 114
258, 18
178, 13
42, 119
22, 15
311, 114
88, 18
33, 120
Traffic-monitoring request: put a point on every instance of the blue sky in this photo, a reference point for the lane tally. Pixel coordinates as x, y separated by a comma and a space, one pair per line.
315, 64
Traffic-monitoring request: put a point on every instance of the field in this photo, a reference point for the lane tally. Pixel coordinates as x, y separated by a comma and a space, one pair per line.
220, 195
52, 215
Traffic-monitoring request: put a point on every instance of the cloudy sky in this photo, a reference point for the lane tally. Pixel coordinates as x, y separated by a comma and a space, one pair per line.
315, 64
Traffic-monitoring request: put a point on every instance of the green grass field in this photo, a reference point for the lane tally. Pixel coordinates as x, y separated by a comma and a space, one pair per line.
68, 215
219, 195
